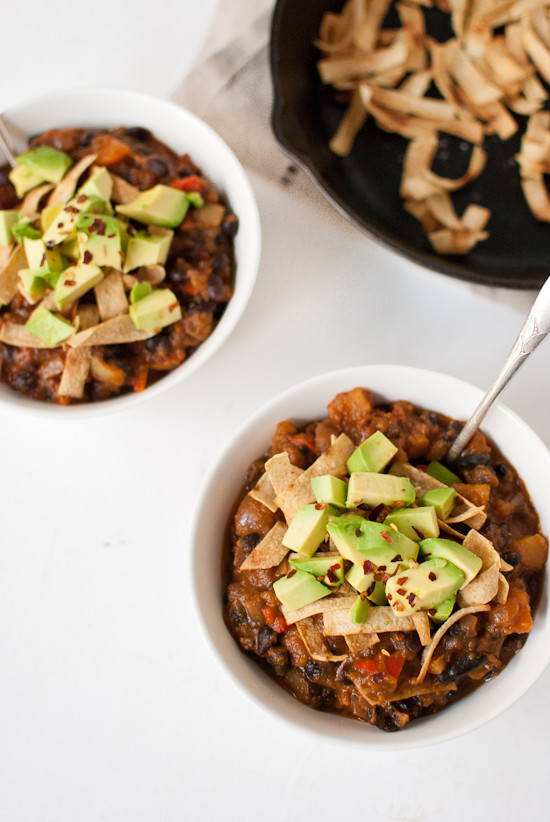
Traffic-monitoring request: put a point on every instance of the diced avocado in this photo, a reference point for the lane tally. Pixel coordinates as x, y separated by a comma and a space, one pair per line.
365, 582
48, 326
443, 610
309, 524
161, 205
329, 570
64, 225
442, 499
34, 284
99, 240
76, 281
48, 215
24, 229
144, 249
70, 248
358, 539
196, 199
157, 310
24, 179
330, 489
46, 162
416, 523
372, 455
298, 589
442, 473
424, 587
468, 562
359, 611
98, 185
379, 489
7, 221
41, 259
139, 291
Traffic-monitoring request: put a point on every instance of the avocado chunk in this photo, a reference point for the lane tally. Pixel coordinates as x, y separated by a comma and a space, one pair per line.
443, 611
308, 527
330, 489
442, 499
48, 326
98, 185
139, 291
379, 489
99, 240
416, 523
329, 570
41, 259
145, 249
76, 281
7, 221
299, 588
359, 611
441, 473
366, 583
160, 205
34, 284
468, 562
373, 454
48, 215
424, 587
157, 310
24, 229
46, 162
358, 539
64, 225
24, 179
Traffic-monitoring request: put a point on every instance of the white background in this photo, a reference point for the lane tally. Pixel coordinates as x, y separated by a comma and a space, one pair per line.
111, 705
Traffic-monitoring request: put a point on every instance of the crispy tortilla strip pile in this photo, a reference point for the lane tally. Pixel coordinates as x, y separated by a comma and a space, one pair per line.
483, 76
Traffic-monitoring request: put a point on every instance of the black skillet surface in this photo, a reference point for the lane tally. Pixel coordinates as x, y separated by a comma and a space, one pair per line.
365, 185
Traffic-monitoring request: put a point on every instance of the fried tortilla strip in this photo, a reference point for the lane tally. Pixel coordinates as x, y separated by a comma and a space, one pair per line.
352, 121
269, 552
66, 188
380, 620
29, 206
110, 295
111, 332
333, 461
315, 643
17, 335
503, 589
485, 586
123, 192
88, 315
9, 275
281, 471
422, 624
429, 650
75, 373
321, 606
361, 642
420, 690
263, 493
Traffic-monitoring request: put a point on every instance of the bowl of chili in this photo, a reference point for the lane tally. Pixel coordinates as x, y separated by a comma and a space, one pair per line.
211, 266
412, 405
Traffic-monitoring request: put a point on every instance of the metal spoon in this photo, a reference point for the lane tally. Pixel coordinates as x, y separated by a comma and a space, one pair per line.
534, 330
6, 144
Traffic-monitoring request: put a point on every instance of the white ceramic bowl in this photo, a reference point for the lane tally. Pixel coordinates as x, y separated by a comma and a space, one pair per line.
182, 132
307, 402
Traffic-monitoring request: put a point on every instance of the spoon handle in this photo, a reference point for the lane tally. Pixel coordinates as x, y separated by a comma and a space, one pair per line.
534, 330
6, 144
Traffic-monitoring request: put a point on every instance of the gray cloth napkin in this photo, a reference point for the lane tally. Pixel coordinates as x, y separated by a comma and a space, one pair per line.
230, 88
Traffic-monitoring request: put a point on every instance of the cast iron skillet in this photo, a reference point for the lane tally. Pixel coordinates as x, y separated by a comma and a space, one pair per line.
365, 185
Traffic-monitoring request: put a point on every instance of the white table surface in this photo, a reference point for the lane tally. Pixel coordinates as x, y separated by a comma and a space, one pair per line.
111, 706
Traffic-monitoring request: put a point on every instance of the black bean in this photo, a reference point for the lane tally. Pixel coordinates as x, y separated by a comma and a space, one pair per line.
462, 666
8, 352
278, 659
158, 166
512, 558
24, 381
230, 225
467, 461
220, 263
266, 639
312, 670
249, 541
215, 286
501, 470
237, 615
138, 132
86, 138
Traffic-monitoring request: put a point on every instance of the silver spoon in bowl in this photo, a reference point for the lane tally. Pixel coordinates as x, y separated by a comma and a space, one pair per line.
6, 144
533, 331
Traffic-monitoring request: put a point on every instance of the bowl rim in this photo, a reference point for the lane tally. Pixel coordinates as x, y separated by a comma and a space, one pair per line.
244, 286
255, 684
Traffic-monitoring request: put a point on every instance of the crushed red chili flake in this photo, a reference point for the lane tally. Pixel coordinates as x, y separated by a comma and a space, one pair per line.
398, 606
402, 580
99, 226
371, 588
376, 511
432, 611
320, 506
382, 567
70, 283
70, 209
368, 566
81, 199
432, 576
401, 592
386, 536
418, 532
88, 257
291, 573
411, 598
397, 558
358, 532
331, 576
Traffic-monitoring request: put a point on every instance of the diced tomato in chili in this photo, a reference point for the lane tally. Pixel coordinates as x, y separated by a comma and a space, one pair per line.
370, 666
279, 625
276, 622
305, 441
191, 183
139, 382
109, 150
394, 664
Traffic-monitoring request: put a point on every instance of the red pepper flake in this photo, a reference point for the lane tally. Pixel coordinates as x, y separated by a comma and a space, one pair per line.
368, 567
397, 558
432, 611
379, 577
402, 580
291, 573
50, 244
382, 568
335, 567
320, 506
279, 625
81, 199
401, 592
386, 536
375, 512
389, 597
110, 236
303, 441
371, 588
70, 282
411, 598
398, 503
99, 226
432, 576
173, 307
60, 225
398, 606
420, 534
88, 257
358, 532
71, 209
331, 576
